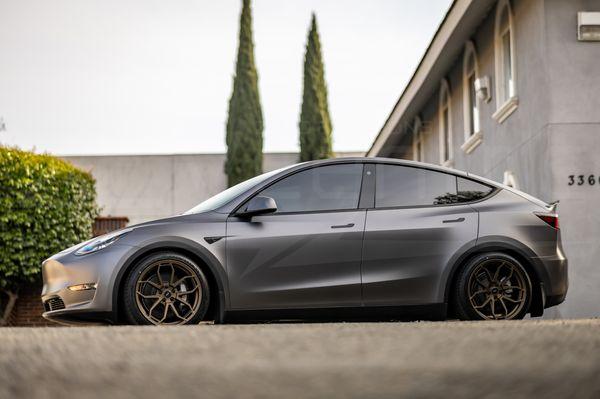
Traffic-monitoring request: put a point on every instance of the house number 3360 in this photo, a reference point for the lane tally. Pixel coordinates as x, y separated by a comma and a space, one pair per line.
580, 180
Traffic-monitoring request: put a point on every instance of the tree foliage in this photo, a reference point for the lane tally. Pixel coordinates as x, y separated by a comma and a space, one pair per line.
315, 123
46, 205
245, 121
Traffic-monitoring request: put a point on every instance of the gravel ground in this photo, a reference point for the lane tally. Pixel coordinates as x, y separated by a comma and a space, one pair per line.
548, 359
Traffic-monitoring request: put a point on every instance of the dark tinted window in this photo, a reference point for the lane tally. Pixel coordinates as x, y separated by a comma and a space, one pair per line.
406, 186
318, 189
469, 190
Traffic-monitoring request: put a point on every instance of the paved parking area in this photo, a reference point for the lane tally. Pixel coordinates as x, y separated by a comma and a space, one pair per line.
548, 359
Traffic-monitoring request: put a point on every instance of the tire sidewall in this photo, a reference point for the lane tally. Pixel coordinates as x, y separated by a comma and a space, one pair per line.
463, 308
130, 309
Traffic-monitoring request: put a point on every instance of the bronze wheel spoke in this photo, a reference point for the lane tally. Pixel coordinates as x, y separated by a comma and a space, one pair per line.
155, 296
181, 280
184, 302
507, 278
512, 287
149, 282
160, 280
157, 287
172, 274
159, 300
497, 272
174, 308
483, 304
476, 293
165, 313
493, 307
513, 300
504, 306
188, 292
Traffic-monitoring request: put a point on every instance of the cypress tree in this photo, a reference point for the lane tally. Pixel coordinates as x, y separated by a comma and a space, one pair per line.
245, 121
315, 123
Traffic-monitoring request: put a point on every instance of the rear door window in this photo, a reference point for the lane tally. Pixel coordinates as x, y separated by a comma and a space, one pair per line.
405, 186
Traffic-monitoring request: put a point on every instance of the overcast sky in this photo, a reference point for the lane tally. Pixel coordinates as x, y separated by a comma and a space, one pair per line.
155, 76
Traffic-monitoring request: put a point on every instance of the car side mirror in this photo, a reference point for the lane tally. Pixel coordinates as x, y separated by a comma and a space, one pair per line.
258, 206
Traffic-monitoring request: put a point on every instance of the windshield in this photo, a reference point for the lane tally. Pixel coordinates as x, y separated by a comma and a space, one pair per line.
217, 201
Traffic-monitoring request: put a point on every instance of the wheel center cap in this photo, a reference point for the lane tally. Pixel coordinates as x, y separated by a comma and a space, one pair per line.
167, 294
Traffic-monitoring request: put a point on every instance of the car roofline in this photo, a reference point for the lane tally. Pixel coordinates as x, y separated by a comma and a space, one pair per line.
233, 204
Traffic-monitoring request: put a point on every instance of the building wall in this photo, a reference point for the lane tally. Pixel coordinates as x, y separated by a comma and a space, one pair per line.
147, 187
554, 132
28, 308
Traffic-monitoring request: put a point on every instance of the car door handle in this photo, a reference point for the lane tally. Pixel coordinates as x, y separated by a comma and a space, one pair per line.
454, 220
342, 226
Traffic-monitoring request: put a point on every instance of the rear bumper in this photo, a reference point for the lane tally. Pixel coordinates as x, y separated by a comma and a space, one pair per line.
556, 281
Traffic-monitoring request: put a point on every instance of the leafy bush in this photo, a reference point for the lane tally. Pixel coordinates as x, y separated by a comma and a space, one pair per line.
46, 205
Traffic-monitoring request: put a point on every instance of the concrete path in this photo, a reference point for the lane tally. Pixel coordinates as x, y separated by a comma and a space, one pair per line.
545, 359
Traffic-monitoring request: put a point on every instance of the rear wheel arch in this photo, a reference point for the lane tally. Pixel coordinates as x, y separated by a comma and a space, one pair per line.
518, 251
216, 280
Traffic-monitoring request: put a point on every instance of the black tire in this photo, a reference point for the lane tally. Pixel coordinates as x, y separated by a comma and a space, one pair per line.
133, 302
511, 294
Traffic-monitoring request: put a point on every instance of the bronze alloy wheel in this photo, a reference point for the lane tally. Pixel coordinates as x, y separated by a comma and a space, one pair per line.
497, 289
168, 291
493, 286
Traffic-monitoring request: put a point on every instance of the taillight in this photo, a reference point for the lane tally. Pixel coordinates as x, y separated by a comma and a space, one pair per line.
552, 220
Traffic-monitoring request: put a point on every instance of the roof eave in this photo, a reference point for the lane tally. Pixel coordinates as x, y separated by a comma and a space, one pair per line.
463, 14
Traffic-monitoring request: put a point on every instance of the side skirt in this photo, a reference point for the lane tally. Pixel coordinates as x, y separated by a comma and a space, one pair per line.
436, 311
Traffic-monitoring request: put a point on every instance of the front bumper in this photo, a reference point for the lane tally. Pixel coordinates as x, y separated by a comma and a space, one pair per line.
62, 271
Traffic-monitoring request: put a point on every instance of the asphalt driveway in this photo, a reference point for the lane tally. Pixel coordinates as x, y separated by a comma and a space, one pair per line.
546, 359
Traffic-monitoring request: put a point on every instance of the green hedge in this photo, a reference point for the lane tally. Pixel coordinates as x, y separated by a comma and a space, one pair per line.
46, 205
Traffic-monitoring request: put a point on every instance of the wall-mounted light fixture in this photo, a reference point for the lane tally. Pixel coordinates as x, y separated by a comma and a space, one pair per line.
588, 26
482, 88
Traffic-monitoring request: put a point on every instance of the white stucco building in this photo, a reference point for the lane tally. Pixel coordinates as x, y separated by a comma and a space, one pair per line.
508, 89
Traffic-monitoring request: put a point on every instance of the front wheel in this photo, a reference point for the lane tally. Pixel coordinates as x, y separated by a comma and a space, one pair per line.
492, 286
166, 289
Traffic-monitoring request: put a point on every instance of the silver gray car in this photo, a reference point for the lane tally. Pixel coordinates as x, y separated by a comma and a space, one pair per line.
353, 238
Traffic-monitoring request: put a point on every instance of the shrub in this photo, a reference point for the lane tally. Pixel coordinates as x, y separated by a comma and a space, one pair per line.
46, 205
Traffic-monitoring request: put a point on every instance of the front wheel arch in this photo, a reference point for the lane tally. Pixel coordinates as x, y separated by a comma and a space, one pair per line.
217, 284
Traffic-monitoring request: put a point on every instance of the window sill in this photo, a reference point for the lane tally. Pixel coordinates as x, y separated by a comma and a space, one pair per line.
472, 142
506, 109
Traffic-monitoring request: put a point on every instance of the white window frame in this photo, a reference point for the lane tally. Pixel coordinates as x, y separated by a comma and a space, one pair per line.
472, 138
505, 104
445, 104
418, 152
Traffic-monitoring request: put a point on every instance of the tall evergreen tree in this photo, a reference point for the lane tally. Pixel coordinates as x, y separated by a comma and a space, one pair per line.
315, 123
245, 121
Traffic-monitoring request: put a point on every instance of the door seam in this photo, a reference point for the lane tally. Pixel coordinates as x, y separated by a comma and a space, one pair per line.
362, 249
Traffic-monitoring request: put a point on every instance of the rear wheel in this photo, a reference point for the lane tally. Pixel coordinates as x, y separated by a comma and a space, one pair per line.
492, 286
166, 289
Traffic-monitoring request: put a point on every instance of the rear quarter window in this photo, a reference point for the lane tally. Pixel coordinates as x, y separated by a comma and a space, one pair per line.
470, 190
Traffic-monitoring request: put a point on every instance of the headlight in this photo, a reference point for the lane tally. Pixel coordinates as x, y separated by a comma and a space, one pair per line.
101, 242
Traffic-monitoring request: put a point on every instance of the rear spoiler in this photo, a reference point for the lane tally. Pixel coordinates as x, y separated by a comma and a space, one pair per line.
552, 206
